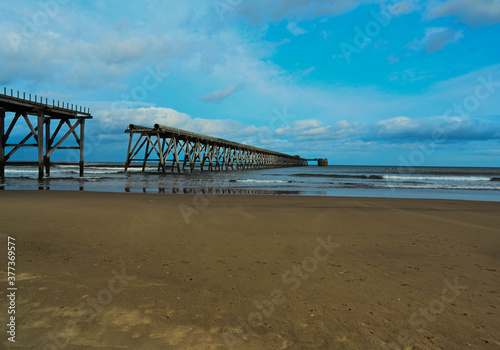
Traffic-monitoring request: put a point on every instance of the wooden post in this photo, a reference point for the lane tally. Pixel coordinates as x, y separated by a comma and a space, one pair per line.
194, 151
160, 151
47, 146
40, 144
211, 158
197, 153
82, 145
176, 156
2, 143
146, 155
187, 153
127, 163
203, 155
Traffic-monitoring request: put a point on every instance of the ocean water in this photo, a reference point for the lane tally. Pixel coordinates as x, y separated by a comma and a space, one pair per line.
334, 180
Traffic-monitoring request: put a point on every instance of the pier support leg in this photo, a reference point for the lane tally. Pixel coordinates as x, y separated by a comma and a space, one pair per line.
82, 145
40, 145
161, 144
2, 144
176, 156
127, 163
47, 146
146, 155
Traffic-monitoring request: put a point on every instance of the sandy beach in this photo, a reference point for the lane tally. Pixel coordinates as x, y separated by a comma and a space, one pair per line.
155, 271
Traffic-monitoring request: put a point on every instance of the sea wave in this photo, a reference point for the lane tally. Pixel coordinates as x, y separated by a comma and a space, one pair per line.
343, 176
437, 178
262, 181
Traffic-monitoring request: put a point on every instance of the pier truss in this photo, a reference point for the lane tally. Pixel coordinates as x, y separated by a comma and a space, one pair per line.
175, 148
37, 116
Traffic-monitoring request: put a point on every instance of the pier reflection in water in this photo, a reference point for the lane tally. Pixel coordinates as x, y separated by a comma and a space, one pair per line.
210, 191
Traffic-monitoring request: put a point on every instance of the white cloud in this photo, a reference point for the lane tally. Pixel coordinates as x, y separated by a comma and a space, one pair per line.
277, 10
311, 137
122, 51
218, 96
435, 39
313, 129
475, 13
294, 29
116, 120
307, 71
394, 130
448, 129
404, 7
396, 126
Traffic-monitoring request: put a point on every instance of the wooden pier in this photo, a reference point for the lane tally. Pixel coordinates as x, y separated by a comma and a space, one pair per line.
175, 148
321, 161
38, 113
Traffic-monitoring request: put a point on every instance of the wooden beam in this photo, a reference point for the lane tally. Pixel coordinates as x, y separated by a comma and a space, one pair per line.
41, 145
146, 154
153, 146
169, 149
81, 143
2, 143
73, 129
204, 152
127, 162
185, 149
47, 146
52, 139
19, 145
69, 132
33, 132
211, 157
134, 152
176, 156
11, 126
161, 142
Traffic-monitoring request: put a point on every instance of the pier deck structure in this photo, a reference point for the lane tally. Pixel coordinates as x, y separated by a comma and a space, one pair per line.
38, 114
174, 148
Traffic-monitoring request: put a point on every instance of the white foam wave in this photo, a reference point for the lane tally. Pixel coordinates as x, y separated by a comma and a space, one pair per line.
436, 178
263, 181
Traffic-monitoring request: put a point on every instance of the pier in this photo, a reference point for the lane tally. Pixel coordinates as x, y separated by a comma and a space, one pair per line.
173, 148
321, 161
38, 114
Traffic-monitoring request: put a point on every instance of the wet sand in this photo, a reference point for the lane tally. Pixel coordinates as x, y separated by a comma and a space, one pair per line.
155, 271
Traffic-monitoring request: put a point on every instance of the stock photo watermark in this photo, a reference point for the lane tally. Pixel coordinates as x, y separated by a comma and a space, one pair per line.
223, 6
200, 202
90, 309
482, 91
364, 36
32, 25
421, 320
11, 291
154, 76
281, 119
292, 277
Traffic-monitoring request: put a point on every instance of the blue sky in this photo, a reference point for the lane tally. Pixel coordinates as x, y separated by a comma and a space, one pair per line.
363, 82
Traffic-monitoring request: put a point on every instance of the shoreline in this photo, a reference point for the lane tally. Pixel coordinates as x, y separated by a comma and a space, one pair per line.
334, 181
148, 271
487, 196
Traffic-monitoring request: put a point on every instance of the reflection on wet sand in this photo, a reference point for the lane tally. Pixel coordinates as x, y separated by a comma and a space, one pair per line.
187, 190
